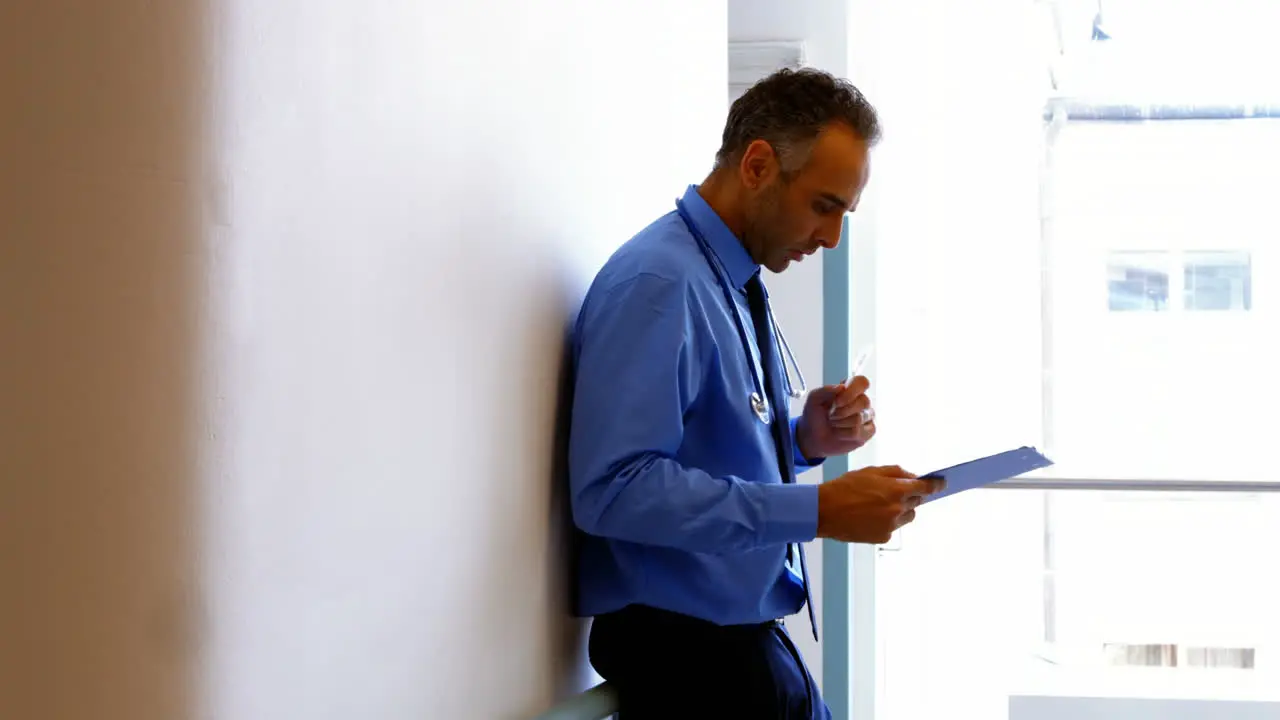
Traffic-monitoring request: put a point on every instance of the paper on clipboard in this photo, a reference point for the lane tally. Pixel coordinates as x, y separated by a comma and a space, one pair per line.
991, 469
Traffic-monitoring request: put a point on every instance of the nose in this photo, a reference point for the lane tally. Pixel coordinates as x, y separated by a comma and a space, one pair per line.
830, 234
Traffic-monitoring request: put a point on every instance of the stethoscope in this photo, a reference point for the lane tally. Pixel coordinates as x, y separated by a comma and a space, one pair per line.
758, 399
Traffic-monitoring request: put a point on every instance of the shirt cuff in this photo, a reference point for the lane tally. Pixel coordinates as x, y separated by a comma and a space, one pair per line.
802, 463
791, 513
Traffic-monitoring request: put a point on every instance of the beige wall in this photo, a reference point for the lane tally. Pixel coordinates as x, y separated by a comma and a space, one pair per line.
99, 242
283, 287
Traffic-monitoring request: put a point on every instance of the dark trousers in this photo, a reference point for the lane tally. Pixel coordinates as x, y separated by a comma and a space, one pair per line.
667, 666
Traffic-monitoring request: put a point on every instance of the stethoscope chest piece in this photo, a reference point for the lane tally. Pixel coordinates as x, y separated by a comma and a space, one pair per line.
759, 404
760, 407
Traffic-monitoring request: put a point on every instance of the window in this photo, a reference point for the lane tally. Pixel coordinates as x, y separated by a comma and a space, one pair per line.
1087, 270
1211, 280
1138, 281
1174, 655
1217, 281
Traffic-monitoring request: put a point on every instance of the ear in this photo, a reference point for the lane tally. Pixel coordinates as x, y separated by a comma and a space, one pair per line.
759, 164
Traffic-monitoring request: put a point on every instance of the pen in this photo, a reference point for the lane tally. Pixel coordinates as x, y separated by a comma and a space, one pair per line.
857, 366
865, 355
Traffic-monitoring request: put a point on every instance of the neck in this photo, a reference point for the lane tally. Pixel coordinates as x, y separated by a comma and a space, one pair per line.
723, 198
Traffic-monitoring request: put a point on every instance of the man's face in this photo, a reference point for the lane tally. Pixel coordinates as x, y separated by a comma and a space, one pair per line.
790, 218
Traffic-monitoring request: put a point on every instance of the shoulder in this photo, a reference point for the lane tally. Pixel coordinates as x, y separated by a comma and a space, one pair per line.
665, 249
660, 266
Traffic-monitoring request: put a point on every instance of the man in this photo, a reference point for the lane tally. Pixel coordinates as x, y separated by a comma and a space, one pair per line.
683, 456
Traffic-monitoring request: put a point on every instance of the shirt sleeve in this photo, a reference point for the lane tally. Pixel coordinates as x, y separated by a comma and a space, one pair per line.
637, 371
802, 463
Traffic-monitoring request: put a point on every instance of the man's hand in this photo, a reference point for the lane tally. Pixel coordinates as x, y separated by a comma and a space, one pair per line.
837, 419
867, 505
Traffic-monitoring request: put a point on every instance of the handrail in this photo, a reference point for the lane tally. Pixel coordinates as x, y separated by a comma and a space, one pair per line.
1200, 486
598, 703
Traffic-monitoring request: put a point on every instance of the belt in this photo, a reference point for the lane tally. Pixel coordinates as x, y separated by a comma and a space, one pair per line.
666, 619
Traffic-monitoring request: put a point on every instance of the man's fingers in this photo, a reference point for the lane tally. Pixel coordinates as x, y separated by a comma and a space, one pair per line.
826, 393
849, 408
849, 392
912, 492
865, 432
906, 517
854, 421
861, 433
857, 386
924, 487
894, 471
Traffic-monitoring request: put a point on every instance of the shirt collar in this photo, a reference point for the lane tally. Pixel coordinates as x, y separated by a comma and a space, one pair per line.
724, 244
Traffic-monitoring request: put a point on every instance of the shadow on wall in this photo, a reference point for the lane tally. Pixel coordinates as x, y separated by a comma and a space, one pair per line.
569, 642
526, 635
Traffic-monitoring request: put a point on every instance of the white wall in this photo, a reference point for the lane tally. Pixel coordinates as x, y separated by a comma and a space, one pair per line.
797, 293
291, 283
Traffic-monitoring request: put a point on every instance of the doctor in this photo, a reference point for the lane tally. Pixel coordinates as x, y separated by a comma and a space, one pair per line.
683, 457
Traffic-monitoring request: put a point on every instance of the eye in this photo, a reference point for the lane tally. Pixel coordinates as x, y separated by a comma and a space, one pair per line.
824, 207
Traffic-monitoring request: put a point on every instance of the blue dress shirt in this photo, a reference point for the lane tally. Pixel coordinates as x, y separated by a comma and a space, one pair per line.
674, 481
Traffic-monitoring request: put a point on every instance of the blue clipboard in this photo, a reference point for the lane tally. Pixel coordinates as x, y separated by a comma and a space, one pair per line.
991, 469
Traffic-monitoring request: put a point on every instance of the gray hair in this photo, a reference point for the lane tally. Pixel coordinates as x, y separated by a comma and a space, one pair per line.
788, 109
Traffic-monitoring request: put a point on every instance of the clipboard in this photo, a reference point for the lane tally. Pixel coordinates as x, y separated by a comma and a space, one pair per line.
985, 471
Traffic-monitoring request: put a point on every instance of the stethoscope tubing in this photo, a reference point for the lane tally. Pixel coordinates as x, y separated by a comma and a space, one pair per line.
759, 401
